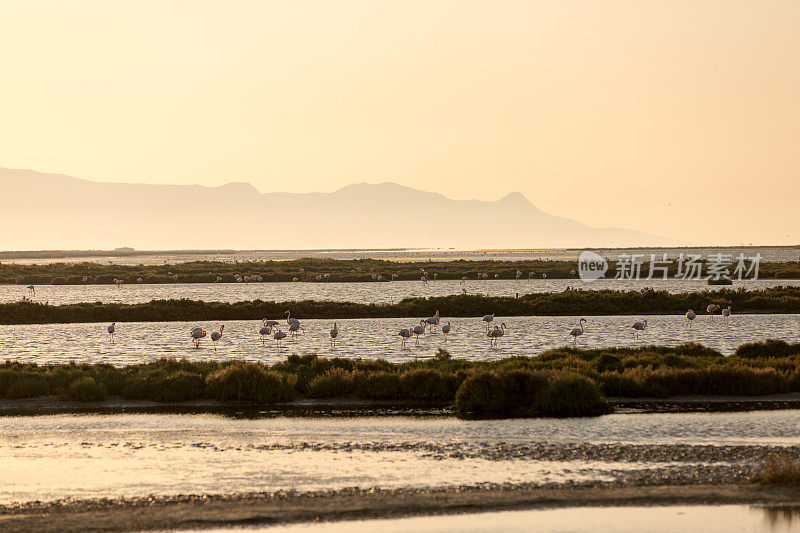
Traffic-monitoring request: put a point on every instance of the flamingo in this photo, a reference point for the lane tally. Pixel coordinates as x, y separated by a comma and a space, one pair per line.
689, 317
446, 330
294, 327
217, 335
31, 290
487, 319
279, 336
289, 319
111, 330
405, 333
711, 308
265, 330
418, 330
196, 334
464, 279
334, 334
432, 321
726, 312
495, 334
577, 331
637, 327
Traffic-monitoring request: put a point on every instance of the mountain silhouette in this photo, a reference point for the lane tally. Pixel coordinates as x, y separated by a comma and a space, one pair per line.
53, 211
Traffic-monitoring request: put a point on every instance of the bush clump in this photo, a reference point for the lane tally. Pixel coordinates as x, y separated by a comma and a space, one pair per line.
85, 389
248, 382
572, 396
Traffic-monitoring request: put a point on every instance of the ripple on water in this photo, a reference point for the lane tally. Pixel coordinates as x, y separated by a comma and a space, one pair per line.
376, 338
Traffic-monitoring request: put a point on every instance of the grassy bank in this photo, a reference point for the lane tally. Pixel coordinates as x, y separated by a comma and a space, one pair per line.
569, 302
308, 269
566, 382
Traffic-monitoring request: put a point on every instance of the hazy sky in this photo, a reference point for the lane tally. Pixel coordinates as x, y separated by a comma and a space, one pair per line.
680, 118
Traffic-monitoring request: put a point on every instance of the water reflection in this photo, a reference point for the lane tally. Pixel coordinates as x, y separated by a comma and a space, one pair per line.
656, 519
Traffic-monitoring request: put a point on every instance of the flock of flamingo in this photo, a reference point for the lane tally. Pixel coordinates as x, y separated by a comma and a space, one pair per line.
272, 327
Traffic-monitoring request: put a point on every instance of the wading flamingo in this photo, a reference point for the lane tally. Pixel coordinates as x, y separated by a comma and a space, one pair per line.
637, 327
279, 336
487, 319
432, 321
289, 319
726, 312
334, 334
418, 330
217, 335
495, 334
690, 315
711, 308
264, 331
111, 329
196, 334
577, 331
446, 330
404, 333
294, 328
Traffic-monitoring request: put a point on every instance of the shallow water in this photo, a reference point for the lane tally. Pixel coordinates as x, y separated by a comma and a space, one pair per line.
377, 338
92, 456
661, 519
359, 292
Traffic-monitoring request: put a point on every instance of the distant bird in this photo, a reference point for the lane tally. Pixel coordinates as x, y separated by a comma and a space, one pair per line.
418, 330
577, 331
334, 334
85, 279
295, 279
217, 335
689, 317
726, 312
272, 324
637, 327
279, 336
405, 334
488, 319
294, 327
289, 319
219, 279
464, 279
31, 290
139, 280
711, 308
394, 277
495, 334
264, 331
531, 275
544, 276
196, 334
111, 329
432, 321
446, 330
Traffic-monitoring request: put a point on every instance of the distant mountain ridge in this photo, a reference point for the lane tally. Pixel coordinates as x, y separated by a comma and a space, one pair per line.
54, 211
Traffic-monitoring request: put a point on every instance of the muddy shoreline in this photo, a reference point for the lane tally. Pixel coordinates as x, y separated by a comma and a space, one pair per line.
49, 405
201, 512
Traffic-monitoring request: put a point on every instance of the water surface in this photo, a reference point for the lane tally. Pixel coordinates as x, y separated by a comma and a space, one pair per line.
377, 338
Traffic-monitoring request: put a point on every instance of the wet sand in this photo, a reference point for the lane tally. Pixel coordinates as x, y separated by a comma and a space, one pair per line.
199, 512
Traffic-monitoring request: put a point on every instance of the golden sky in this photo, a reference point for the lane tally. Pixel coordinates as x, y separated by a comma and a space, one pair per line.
680, 118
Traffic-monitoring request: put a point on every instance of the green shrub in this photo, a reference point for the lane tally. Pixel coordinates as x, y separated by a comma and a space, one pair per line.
336, 382
505, 394
248, 382
571, 396
85, 389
